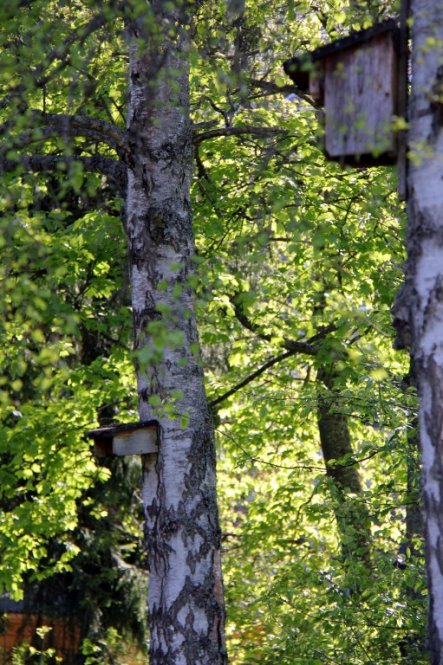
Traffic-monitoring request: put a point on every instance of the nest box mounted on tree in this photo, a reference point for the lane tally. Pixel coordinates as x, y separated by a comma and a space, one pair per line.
356, 80
131, 439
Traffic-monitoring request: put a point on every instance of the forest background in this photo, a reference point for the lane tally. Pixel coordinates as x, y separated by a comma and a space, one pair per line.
297, 266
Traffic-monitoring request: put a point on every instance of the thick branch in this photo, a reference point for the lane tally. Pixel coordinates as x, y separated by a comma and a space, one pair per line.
68, 126
81, 125
111, 168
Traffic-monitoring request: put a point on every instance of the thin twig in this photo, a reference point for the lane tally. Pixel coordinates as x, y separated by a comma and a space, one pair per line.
250, 378
260, 132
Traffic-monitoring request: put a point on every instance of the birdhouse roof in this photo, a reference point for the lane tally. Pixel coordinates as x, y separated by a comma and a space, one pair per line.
299, 67
111, 431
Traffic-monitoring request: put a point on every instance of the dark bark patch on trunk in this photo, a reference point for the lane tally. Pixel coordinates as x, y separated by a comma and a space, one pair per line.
198, 646
426, 227
165, 226
141, 320
401, 316
434, 418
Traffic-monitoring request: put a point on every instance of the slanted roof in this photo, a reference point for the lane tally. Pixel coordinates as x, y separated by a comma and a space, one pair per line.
110, 431
299, 67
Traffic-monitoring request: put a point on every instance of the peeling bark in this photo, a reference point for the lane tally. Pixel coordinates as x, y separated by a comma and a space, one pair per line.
186, 613
424, 280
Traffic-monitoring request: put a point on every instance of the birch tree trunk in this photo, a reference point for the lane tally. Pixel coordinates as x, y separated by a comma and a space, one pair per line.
185, 598
423, 295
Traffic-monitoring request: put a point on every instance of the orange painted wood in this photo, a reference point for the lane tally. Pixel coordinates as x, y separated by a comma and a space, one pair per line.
19, 627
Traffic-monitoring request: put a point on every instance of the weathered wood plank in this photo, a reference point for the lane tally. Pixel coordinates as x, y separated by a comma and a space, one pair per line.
126, 439
360, 99
139, 442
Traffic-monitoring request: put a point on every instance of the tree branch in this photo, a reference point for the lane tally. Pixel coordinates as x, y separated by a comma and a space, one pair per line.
60, 52
261, 132
113, 169
64, 126
82, 125
270, 88
295, 346
250, 378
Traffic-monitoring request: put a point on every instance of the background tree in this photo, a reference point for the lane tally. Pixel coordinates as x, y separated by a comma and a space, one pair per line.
305, 228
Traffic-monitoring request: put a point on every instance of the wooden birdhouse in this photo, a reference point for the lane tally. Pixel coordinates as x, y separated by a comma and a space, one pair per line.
130, 439
356, 80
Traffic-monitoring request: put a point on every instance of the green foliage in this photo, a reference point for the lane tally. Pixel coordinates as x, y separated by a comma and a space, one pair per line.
25, 654
289, 246
290, 249
54, 310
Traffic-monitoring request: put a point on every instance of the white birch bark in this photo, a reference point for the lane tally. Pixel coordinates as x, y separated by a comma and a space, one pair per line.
185, 598
423, 296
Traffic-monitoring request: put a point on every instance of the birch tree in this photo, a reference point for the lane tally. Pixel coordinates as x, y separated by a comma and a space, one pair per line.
419, 307
182, 530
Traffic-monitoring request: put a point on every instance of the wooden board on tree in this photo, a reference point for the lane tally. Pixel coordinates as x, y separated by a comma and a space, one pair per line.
127, 439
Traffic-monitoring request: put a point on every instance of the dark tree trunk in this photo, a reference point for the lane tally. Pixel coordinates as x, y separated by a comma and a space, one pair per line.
414, 517
351, 513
